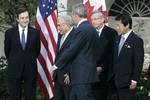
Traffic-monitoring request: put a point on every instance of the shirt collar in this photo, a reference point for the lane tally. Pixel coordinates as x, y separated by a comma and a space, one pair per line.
100, 30
81, 21
21, 29
65, 36
126, 34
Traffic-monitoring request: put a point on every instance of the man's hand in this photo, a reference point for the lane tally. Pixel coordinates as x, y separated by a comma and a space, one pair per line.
66, 79
133, 86
53, 68
99, 70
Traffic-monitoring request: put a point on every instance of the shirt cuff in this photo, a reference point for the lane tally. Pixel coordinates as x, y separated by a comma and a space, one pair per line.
55, 67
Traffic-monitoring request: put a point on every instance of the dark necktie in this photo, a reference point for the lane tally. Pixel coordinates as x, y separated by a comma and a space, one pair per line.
23, 40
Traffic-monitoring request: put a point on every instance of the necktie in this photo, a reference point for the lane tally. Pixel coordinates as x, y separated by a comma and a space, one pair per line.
99, 32
23, 40
61, 41
122, 40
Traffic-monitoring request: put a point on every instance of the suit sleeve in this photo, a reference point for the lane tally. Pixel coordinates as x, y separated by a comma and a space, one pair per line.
7, 44
138, 59
76, 44
38, 44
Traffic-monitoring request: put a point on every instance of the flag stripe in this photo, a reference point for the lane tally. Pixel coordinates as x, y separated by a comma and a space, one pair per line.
46, 47
53, 27
45, 32
54, 17
43, 87
46, 23
44, 41
47, 73
44, 82
50, 34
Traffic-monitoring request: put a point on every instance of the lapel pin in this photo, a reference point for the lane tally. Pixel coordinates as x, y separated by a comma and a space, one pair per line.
128, 46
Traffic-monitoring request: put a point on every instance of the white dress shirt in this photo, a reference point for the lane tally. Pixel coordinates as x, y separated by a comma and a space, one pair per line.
100, 30
81, 21
25, 32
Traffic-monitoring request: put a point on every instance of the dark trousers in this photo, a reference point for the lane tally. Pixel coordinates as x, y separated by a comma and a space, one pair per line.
61, 91
100, 90
26, 81
81, 92
120, 93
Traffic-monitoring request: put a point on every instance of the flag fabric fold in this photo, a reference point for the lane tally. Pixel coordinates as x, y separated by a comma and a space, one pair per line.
46, 23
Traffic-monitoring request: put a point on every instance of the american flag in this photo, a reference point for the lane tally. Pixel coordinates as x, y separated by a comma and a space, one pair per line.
46, 23
94, 5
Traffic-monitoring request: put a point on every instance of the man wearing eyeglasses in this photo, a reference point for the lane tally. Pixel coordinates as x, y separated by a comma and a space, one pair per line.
105, 53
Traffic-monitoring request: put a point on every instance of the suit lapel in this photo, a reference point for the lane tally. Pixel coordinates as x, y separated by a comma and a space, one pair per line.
66, 40
29, 37
17, 35
116, 46
103, 32
127, 43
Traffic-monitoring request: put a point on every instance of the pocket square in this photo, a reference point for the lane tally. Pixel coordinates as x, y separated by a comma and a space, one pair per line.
128, 46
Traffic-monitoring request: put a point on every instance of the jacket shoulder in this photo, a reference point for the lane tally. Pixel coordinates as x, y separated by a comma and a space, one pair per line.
136, 37
32, 29
12, 29
111, 30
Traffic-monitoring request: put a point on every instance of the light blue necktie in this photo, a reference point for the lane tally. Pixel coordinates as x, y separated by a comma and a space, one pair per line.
23, 40
122, 40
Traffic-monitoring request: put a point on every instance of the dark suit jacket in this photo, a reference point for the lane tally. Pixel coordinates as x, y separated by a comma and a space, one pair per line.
128, 65
17, 57
59, 74
81, 55
106, 50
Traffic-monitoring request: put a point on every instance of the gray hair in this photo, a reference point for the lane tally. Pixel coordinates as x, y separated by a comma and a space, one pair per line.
99, 12
67, 19
80, 9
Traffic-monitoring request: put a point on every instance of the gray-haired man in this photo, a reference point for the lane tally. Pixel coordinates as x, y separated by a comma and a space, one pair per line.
61, 75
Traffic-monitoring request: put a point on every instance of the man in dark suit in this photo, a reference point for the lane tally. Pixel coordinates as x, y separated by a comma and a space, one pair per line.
105, 53
61, 76
128, 61
81, 55
22, 47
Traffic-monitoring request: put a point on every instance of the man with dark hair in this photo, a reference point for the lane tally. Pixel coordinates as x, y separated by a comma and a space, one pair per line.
22, 47
128, 61
105, 53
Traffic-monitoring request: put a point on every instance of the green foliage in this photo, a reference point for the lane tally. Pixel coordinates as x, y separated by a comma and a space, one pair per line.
143, 90
3, 78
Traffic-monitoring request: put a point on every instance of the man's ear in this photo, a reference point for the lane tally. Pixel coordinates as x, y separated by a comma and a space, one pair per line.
127, 26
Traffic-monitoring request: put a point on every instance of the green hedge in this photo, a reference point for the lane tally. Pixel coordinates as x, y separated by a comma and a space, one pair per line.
143, 90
